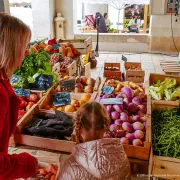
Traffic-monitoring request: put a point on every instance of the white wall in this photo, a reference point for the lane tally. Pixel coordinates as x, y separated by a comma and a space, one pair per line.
68, 9
91, 9
42, 18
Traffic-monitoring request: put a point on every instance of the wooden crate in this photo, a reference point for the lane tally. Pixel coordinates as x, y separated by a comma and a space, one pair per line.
170, 67
153, 78
40, 94
71, 69
48, 98
82, 46
40, 142
109, 73
159, 166
136, 76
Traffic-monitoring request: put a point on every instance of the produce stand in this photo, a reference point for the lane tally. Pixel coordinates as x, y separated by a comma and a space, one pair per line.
163, 167
82, 46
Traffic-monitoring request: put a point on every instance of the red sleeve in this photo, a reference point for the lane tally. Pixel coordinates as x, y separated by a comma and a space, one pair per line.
17, 166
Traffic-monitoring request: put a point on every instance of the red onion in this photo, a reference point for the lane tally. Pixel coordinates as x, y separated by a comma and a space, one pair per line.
138, 126
143, 119
142, 108
132, 107
119, 95
128, 92
118, 108
127, 127
113, 127
130, 137
140, 113
108, 135
137, 142
144, 123
124, 116
118, 122
120, 133
114, 115
135, 118
109, 109
124, 140
136, 100
139, 134
141, 95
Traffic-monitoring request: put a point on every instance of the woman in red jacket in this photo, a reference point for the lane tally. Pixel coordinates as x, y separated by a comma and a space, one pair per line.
14, 37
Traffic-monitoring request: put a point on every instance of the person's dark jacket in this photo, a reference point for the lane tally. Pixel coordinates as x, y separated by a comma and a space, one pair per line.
102, 24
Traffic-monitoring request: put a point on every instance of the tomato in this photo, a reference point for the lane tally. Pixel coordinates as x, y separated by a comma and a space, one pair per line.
32, 98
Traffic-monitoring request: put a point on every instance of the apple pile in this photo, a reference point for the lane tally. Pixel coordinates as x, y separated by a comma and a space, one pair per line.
26, 104
84, 84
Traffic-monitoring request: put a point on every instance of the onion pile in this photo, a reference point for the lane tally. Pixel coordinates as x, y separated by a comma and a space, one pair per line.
128, 121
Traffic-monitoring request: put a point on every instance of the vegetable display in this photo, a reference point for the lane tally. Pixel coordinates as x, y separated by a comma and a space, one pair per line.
53, 126
127, 120
166, 133
33, 65
165, 90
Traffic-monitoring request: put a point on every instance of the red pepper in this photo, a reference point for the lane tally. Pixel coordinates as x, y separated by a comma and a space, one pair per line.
74, 51
52, 41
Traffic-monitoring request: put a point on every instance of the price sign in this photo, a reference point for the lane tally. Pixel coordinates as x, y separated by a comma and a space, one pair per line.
67, 85
22, 92
108, 89
111, 101
61, 99
43, 82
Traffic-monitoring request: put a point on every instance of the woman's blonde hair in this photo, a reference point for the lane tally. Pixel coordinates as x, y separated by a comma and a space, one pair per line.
90, 116
14, 36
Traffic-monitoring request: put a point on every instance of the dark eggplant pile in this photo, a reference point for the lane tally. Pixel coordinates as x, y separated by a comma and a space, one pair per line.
54, 126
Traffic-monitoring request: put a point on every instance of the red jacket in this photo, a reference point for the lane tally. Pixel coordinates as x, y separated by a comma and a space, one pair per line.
11, 166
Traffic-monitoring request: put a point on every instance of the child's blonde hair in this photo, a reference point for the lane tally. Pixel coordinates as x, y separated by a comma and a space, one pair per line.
90, 116
14, 36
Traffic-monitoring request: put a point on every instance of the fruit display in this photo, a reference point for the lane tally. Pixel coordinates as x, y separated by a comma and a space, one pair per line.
26, 104
167, 90
128, 120
134, 68
83, 84
77, 100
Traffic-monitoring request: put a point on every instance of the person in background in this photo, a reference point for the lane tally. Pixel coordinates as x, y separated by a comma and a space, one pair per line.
107, 21
94, 157
14, 38
134, 24
102, 25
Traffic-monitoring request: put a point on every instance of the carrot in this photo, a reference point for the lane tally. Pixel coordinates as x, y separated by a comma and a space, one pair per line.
53, 177
43, 172
48, 176
52, 169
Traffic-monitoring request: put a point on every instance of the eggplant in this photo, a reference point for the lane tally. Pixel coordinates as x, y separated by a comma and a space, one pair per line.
67, 120
48, 131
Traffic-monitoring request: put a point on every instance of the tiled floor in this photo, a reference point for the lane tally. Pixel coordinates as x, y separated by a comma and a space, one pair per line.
150, 62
